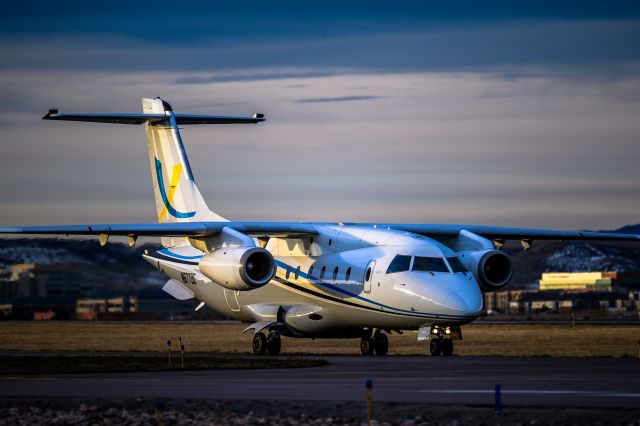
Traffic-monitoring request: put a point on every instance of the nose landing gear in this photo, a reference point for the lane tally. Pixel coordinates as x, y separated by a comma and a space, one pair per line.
441, 340
439, 346
435, 346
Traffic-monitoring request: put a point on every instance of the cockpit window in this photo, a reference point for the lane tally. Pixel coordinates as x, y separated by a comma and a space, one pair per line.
456, 264
429, 264
399, 263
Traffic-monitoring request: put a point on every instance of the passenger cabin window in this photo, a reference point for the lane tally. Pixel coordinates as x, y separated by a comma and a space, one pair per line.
310, 273
297, 272
400, 263
429, 264
322, 271
348, 274
456, 265
288, 272
335, 273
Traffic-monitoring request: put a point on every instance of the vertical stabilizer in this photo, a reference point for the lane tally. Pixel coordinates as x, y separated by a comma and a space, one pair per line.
176, 194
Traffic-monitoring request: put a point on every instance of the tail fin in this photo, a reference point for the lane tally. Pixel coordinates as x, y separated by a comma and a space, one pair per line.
177, 196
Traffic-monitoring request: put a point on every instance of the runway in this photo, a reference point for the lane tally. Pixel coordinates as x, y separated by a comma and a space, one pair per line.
590, 382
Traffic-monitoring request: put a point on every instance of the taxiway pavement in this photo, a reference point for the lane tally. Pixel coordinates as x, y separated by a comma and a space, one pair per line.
603, 382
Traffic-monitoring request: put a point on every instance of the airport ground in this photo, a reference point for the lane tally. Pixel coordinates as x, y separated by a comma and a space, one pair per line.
558, 339
141, 411
406, 390
549, 374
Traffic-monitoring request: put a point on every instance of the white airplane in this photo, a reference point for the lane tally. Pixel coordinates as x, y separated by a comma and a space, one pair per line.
314, 280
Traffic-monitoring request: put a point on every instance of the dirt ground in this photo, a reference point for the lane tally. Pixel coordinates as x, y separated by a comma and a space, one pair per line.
69, 411
478, 339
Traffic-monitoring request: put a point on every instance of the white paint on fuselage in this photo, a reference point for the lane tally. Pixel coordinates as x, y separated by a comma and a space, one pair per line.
403, 300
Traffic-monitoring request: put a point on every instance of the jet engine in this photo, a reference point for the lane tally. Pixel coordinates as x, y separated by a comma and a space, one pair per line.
492, 268
239, 268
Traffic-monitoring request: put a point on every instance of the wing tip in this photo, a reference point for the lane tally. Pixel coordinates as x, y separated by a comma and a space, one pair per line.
49, 115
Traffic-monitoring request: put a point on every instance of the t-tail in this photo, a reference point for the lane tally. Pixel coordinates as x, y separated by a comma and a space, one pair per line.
176, 195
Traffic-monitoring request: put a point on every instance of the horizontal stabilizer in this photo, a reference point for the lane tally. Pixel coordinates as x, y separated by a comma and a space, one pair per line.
181, 119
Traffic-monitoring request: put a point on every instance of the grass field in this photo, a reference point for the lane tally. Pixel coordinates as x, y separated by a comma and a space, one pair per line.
56, 364
479, 339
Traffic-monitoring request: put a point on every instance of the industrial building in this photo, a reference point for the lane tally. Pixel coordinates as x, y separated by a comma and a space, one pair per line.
589, 281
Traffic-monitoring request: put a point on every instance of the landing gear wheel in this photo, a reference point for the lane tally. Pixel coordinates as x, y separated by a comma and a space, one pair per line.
381, 344
435, 347
259, 344
273, 344
447, 347
367, 346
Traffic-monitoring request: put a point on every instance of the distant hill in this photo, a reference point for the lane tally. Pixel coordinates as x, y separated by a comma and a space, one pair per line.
629, 229
555, 256
115, 267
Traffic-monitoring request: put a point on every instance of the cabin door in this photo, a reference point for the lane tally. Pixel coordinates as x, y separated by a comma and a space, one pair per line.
368, 276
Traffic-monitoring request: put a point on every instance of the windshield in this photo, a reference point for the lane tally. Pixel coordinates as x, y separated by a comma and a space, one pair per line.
399, 263
456, 264
429, 264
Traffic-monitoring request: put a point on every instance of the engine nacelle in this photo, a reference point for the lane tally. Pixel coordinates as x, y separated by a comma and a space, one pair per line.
240, 268
492, 268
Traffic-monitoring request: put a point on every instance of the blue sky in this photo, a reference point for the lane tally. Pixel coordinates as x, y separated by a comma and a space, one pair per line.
509, 113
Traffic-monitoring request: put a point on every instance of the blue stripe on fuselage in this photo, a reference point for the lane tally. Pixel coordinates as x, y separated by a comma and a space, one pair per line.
364, 299
177, 258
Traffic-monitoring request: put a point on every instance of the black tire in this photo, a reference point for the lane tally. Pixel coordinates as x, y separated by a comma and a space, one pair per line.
381, 344
273, 345
367, 346
447, 347
435, 347
259, 344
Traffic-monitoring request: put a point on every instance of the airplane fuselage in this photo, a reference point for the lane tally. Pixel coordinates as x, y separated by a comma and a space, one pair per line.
339, 282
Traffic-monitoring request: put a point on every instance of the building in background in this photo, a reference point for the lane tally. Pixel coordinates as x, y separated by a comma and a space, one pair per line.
590, 281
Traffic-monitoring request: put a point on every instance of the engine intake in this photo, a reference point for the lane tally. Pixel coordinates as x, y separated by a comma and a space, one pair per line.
492, 269
242, 268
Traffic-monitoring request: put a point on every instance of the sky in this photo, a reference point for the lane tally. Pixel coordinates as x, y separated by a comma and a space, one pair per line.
495, 113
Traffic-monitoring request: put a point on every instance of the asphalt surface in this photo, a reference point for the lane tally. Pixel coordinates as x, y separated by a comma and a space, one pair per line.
583, 382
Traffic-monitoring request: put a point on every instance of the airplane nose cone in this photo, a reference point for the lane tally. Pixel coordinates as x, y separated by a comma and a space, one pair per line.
467, 301
455, 302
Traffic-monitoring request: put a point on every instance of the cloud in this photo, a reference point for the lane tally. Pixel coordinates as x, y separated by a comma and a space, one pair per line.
522, 115
505, 46
438, 147
251, 76
337, 99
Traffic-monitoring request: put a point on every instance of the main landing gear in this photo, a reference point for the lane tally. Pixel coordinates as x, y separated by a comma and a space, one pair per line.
378, 343
270, 344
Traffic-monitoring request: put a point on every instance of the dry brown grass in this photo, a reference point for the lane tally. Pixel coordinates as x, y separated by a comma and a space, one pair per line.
479, 339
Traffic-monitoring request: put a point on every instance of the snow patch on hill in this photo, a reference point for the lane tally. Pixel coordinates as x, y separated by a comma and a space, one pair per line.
586, 257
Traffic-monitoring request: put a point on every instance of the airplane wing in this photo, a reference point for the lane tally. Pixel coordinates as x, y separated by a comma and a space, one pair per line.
290, 229
183, 229
506, 233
